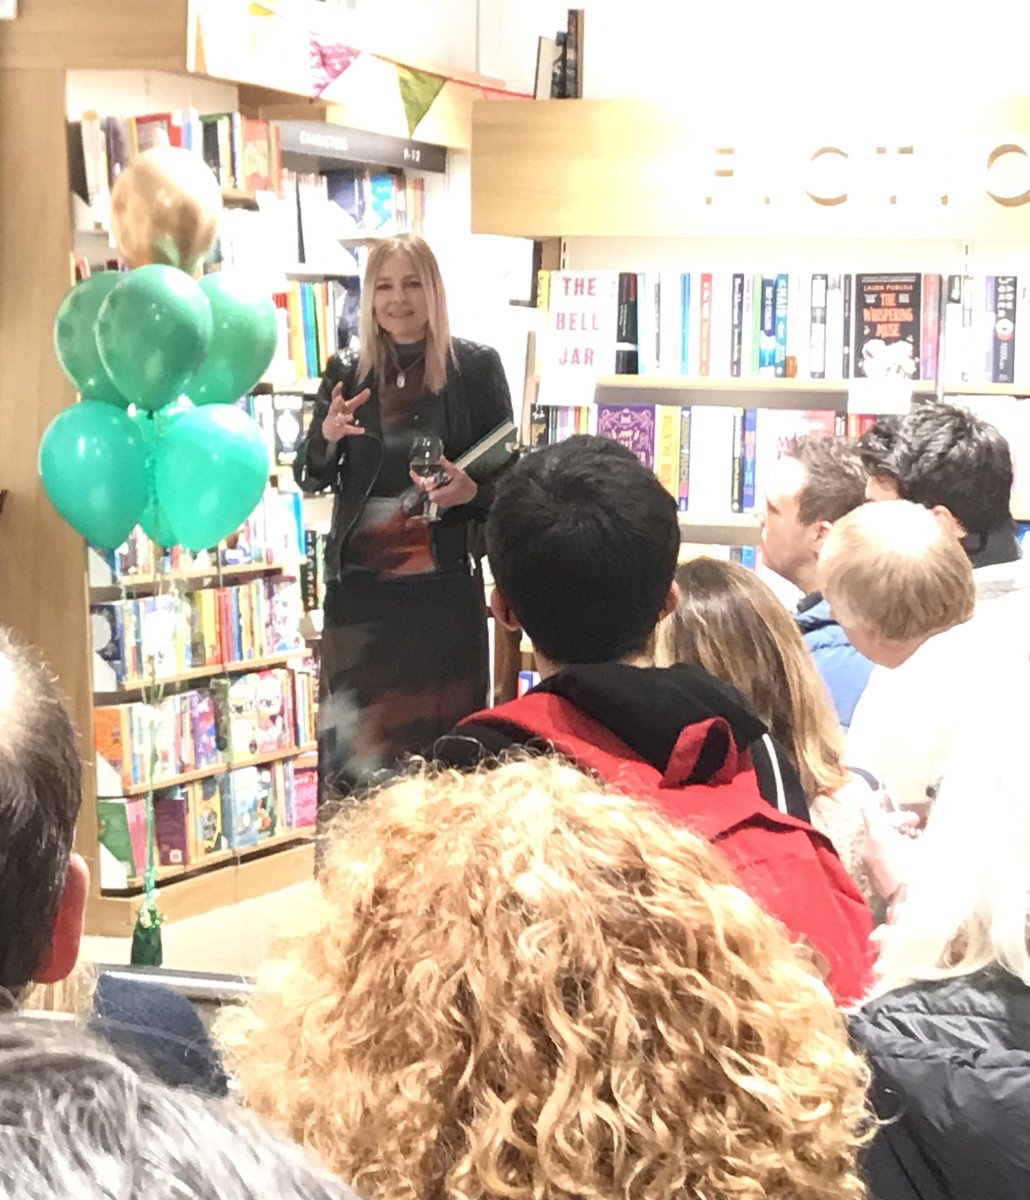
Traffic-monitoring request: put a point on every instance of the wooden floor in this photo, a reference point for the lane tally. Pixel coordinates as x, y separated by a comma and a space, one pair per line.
233, 939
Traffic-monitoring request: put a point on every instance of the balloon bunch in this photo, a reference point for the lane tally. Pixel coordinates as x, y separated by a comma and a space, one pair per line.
159, 359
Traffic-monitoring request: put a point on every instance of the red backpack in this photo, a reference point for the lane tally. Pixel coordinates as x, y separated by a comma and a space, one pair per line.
788, 867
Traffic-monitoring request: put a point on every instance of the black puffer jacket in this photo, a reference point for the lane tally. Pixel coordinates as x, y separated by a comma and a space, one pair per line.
951, 1064
474, 401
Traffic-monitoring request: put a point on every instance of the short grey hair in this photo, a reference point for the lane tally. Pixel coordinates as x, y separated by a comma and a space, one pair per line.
77, 1121
40, 797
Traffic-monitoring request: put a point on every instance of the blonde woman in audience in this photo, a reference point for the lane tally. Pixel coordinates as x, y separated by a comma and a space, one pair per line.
524, 986
948, 1028
731, 624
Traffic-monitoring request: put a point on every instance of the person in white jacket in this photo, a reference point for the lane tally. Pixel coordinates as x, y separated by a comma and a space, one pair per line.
902, 589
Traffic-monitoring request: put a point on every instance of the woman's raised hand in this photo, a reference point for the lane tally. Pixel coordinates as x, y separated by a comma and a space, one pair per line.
340, 421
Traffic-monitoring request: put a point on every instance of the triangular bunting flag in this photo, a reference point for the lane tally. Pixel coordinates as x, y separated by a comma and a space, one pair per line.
418, 91
328, 62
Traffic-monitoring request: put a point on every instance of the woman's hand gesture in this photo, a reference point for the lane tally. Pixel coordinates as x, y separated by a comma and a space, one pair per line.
340, 421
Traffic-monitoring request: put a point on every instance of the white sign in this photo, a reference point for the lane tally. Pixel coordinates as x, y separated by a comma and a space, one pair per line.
8, 10
882, 397
579, 341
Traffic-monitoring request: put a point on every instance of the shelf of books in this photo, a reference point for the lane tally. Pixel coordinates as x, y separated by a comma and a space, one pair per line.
708, 375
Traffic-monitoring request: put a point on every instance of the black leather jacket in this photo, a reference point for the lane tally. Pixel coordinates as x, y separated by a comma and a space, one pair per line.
474, 401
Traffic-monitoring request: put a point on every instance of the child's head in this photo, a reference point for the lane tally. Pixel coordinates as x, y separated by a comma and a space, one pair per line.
729, 622
583, 542
894, 577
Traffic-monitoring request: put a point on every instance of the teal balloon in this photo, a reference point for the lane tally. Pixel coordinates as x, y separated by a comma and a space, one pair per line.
153, 521
93, 463
243, 341
210, 470
75, 338
153, 332
155, 525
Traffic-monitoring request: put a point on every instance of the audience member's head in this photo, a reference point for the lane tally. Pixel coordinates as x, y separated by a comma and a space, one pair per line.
42, 884
817, 482
583, 542
966, 896
524, 985
78, 1122
894, 577
946, 459
729, 622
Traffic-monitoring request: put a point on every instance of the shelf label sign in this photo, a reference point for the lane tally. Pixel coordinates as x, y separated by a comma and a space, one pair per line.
579, 338
321, 140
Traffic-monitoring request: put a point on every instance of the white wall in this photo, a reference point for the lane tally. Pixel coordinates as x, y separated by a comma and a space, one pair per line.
435, 32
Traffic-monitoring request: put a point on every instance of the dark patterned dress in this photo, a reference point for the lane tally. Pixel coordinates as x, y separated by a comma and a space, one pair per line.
404, 644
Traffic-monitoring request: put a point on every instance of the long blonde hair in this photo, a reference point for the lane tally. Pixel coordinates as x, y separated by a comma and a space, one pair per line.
522, 985
729, 622
374, 354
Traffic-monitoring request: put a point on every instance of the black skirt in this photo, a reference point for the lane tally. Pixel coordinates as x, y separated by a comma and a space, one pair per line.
403, 661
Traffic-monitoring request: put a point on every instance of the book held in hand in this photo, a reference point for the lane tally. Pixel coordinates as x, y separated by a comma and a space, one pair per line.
491, 453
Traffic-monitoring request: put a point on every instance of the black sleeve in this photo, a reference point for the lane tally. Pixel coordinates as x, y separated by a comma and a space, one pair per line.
317, 463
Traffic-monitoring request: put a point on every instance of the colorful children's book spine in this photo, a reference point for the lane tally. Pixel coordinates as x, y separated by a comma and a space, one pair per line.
747, 499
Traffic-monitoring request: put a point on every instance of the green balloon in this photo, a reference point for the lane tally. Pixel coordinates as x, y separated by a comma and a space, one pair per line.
210, 470
75, 338
153, 332
153, 521
93, 464
242, 344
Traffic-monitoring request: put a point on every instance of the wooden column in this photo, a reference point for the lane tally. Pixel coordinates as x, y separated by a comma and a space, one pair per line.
43, 592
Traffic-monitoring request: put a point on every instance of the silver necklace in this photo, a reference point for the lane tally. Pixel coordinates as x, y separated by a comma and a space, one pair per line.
402, 372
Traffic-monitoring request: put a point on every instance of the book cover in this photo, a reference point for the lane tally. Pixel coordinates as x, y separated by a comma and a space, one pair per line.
711, 459
241, 794
1003, 346
236, 708
491, 453
274, 724
683, 492
887, 326
705, 362
632, 426
667, 447
767, 342
931, 332
288, 416
736, 326
206, 808
626, 327
107, 629
121, 829
781, 302
546, 57
774, 429
817, 327
256, 175
112, 734
204, 728
747, 493
305, 802
268, 803
171, 827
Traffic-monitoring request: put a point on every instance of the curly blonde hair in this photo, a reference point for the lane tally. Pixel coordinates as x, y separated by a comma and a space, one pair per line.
524, 986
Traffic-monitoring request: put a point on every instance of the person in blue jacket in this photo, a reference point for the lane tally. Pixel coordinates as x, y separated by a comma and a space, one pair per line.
819, 480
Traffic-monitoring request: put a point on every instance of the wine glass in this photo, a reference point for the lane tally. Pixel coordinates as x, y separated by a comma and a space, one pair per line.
425, 463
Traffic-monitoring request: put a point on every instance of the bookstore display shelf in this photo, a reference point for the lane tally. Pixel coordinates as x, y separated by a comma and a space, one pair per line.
220, 768
732, 393
312, 271
217, 860
196, 575
267, 867
727, 529
134, 688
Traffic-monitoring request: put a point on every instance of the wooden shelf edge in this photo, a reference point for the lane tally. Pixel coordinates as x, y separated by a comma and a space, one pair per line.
257, 760
134, 583
134, 688
728, 529
109, 915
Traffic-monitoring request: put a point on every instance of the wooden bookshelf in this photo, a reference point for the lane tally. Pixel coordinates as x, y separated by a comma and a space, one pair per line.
720, 529
134, 689
216, 860
191, 577
239, 198
210, 772
731, 393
